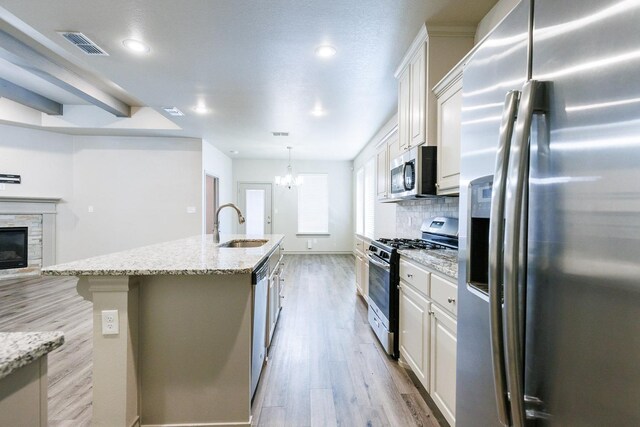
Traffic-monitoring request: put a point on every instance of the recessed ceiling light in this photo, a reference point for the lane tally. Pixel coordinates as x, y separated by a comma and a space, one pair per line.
280, 133
234, 152
136, 46
173, 111
325, 51
201, 109
318, 112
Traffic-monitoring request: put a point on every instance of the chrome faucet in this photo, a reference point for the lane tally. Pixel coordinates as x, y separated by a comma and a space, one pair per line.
216, 220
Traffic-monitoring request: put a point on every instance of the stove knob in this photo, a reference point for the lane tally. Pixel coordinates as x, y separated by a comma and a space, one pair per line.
385, 255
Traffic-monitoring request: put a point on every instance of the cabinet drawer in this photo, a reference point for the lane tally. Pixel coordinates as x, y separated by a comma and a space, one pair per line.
415, 276
444, 293
359, 245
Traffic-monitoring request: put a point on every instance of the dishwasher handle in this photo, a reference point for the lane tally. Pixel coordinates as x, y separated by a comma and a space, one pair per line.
261, 272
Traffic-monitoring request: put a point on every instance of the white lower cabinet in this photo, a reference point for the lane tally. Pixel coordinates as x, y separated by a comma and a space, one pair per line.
274, 306
443, 363
362, 267
359, 269
414, 331
428, 332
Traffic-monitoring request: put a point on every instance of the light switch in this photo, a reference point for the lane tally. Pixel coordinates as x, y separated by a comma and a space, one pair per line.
90, 209
2, 187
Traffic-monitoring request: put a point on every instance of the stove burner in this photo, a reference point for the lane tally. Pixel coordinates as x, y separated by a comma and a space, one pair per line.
409, 244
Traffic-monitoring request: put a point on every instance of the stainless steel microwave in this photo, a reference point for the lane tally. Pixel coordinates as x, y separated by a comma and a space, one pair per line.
413, 174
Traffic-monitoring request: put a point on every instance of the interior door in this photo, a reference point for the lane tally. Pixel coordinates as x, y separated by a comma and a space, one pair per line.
211, 201
254, 200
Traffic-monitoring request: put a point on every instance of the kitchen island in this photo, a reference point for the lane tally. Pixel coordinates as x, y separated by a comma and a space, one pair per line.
181, 351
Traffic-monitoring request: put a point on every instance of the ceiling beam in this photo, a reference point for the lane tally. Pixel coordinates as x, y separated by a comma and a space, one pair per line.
24, 56
30, 99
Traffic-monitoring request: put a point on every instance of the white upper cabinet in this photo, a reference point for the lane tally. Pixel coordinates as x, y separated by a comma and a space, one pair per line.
382, 172
431, 55
417, 97
404, 109
387, 148
449, 100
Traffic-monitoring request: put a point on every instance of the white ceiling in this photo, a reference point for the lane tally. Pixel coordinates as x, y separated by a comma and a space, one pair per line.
252, 62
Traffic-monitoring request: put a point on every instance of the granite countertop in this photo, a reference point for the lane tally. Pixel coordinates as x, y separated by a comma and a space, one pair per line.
18, 349
197, 255
444, 261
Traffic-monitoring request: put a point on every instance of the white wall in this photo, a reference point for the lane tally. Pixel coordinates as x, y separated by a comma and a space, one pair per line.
45, 162
385, 213
493, 18
217, 164
139, 188
285, 209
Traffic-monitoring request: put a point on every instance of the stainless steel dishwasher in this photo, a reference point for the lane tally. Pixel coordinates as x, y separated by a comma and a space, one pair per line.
260, 281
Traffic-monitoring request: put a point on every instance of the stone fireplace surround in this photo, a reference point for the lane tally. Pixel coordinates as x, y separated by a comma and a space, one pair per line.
39, 214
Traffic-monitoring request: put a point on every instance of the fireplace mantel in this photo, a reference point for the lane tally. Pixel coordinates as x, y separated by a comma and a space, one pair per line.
28, 205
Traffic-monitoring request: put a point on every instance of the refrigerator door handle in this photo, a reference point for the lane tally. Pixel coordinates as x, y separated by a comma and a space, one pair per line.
496, 247
532, 100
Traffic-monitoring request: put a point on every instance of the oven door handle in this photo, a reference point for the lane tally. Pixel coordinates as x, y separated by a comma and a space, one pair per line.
379, 264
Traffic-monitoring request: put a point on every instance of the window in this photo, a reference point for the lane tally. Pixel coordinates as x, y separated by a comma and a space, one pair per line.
313, 204
360, 202
254, 213
366, 199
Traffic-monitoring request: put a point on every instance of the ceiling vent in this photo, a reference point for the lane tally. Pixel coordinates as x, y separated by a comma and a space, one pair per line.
83, 43
173, 111
280, 133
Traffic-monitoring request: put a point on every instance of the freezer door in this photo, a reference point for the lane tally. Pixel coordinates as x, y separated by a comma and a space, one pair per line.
496, 68
582, 353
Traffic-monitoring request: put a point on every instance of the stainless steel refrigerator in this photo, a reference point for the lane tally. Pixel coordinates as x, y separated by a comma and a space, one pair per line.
549, 274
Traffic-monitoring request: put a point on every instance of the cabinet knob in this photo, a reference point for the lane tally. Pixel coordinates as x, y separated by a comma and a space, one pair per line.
437, 185
431, 313
409, 275
451, 300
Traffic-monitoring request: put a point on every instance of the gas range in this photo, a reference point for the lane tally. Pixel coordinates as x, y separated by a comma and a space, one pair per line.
409, 244
437, 233
384, 276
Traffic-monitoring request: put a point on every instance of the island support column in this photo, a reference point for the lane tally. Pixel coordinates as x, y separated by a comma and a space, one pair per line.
115, 357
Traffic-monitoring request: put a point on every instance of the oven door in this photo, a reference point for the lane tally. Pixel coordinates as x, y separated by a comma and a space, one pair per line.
379, 288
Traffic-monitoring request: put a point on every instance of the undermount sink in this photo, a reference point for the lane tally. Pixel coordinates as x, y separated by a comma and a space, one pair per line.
243, 243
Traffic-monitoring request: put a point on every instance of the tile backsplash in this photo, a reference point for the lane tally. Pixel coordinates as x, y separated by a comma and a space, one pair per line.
411, 213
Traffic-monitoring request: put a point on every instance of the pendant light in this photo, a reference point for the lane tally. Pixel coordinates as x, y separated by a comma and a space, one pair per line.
289, 179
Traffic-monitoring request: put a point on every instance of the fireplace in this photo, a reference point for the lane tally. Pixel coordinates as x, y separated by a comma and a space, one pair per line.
13, 247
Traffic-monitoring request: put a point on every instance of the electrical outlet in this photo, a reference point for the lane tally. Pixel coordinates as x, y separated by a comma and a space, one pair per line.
191, 209
2, 187
110, 322
90, 209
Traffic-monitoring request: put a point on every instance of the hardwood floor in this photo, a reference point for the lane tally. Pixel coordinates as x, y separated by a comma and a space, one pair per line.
46, 304
325, 367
